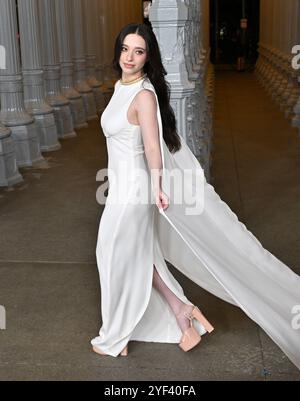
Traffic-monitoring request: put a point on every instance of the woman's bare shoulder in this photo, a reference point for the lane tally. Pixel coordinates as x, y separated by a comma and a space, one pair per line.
145, 97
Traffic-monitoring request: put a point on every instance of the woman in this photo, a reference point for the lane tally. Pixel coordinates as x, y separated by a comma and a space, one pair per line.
140, 298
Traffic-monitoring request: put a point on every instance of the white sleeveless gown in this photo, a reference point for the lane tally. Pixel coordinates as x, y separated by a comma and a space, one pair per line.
213, 248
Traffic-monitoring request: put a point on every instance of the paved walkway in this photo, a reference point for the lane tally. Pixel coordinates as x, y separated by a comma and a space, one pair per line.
49, 281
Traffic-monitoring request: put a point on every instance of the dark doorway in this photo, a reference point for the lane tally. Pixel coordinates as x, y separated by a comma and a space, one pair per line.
234, 33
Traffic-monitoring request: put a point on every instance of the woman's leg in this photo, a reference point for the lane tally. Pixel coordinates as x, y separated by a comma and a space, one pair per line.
175, 303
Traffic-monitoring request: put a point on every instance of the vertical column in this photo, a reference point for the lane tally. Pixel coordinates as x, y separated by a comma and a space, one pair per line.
192, 53
99, 43
13, 113
207, 95
262, 27
110, 13
63, 18
80, 78
192, 65
168, 19
258, 66
283, 57
275, 76
60, 104
287, 45
271, 46
270, 21
180, 29
105, 62
9, 174
90, 8
33, 75
270, 15
104, 35
262, 64
296, 41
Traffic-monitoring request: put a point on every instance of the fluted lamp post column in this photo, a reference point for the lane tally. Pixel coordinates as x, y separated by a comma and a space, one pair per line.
296, 41
168, 19
9, 173
99, 44
295, 87
63, 17
90, 8
13, 114
103, 27
100, 51
296, 110
287, 87
108, 81
54, 97
80, 78
33, 75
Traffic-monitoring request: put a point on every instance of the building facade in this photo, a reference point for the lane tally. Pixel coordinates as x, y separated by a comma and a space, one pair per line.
56, 69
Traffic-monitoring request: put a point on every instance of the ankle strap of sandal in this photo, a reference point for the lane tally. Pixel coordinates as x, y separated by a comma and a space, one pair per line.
185, 313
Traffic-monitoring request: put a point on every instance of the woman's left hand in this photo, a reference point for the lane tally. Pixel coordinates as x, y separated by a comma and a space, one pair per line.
162, 201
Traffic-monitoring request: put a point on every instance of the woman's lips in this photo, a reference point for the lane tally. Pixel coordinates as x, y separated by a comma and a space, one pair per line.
128, 65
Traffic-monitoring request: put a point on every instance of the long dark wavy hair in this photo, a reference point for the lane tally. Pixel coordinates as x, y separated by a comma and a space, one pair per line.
156, 73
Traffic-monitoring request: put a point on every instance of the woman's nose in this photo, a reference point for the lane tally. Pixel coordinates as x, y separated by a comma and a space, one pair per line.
129, 56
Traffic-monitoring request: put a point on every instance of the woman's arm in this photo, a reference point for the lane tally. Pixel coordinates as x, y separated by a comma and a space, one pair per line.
146, 108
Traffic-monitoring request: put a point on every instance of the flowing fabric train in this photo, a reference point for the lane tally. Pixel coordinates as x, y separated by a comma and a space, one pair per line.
216, 251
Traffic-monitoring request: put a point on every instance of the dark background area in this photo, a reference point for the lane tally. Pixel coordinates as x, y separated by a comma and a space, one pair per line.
228, 41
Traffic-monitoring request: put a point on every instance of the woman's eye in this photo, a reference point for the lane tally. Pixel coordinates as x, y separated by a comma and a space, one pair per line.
140, 52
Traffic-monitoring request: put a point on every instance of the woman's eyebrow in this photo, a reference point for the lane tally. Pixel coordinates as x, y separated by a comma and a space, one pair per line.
135, 47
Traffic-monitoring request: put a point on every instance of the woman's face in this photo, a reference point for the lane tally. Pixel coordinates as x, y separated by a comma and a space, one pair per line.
133, 55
